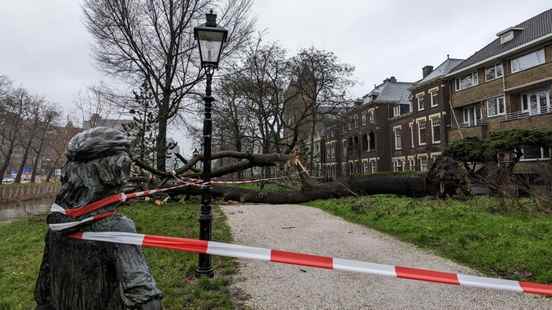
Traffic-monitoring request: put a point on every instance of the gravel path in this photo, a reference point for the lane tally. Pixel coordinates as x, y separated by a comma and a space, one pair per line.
299, 228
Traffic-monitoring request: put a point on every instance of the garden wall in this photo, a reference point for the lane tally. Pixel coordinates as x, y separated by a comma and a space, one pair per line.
21, 192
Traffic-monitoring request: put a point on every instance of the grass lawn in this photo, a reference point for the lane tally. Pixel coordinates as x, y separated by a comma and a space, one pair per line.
21, 244
508, 240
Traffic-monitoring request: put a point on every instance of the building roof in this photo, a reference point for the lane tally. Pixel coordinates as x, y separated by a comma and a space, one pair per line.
443, 69
527, 33
390, 91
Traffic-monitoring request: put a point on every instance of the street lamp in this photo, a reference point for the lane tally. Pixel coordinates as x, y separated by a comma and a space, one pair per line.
210, 39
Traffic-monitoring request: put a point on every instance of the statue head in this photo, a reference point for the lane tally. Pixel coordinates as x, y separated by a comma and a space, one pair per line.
98, 165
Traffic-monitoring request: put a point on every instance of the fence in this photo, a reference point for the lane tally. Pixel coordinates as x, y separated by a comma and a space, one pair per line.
20, 192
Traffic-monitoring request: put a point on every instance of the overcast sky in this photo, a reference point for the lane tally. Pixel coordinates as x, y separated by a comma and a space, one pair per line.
45, 48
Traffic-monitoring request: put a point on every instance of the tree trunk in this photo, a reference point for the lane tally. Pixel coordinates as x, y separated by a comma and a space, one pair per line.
24, 161
161, 145
7, 159
398, 185
39, 152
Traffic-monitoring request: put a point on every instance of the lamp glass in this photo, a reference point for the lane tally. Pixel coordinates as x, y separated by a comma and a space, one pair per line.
210, 45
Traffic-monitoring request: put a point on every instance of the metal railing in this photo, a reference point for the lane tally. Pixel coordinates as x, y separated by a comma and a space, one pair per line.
480, 122
517, 115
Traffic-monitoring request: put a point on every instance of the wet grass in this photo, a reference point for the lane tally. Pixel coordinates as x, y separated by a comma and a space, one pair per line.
504, 238
21, 245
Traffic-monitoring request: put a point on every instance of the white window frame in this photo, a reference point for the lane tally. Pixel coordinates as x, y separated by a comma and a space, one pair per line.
473, 108
434, 92
516, 63
396, 111
423, 168
434, 155
371, 115
412, 163
495, 73
475, 81
411, 125
431, 118
364, 116
418, 120
420, 98
541, 158
397, 142
373, 165
497, 100
547, 105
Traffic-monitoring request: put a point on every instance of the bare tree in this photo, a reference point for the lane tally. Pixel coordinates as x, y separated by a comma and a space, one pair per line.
48, 117
94, 103
31, 127
14, 105
321, 83
152, 40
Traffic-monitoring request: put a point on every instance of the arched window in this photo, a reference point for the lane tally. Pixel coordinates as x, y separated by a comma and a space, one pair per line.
372, 140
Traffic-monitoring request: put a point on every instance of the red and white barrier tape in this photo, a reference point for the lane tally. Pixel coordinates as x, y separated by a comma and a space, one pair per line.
325, 262
117, 198
111, 200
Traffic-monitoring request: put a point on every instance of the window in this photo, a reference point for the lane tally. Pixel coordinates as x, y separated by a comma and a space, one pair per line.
535, 152
467, 81
412, 164
507, 37
411, 125
494, 72
344, 149
355, 117
398, 165
420, 100
372, 141
422, 124
496, 107
472, 115
434, 156
373, 166
350, 126
527, 61
396, 110
436, 129
536, 103
423, 163
363, 119
398, 138
365, 143
434, 98
371, 116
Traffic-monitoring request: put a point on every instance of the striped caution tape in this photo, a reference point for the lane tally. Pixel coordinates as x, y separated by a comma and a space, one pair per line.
300, 259
122, 197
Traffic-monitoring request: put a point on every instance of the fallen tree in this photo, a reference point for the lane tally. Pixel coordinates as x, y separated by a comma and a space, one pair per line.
311, 189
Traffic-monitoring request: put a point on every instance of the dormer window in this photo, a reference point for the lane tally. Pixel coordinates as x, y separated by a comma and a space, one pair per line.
508, 34
507, 37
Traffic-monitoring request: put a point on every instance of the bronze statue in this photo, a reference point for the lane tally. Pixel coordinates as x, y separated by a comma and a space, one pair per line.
77, 274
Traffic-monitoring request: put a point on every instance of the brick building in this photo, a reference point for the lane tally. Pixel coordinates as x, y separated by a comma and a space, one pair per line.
506, 84
403, 126
357, 143
420, 134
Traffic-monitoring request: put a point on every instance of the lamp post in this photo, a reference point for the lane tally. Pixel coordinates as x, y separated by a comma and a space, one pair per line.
210, 39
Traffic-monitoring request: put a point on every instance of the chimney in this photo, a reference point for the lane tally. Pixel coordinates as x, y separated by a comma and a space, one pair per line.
391, 79
427, 70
